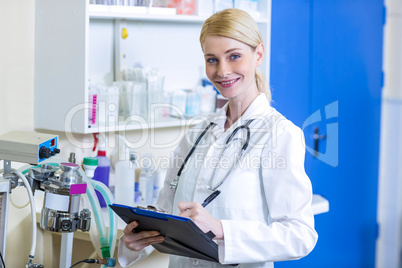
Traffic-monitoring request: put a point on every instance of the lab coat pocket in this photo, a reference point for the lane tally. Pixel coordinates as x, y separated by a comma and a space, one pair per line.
241, 191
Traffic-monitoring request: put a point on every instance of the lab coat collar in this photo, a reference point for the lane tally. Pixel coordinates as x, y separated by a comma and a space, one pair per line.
259, 107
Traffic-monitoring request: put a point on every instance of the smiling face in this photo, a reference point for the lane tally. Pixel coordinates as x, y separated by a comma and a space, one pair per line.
231, 66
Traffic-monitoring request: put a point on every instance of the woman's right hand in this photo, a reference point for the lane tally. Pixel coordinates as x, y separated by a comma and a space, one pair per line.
137, 241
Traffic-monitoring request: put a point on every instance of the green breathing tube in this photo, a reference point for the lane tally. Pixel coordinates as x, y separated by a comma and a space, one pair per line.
90, 164
93, 200
112, 216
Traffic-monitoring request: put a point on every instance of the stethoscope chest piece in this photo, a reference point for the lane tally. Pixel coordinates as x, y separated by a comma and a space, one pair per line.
174, 183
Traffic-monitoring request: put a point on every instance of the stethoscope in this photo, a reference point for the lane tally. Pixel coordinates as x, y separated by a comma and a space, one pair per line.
175, 181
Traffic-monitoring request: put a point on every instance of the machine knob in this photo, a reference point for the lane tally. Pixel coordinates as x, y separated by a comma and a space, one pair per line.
55, 151
44, 152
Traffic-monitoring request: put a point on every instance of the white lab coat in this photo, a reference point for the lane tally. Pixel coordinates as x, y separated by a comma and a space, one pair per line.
265, 203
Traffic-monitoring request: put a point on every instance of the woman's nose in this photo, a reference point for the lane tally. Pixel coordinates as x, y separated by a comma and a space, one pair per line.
223, 69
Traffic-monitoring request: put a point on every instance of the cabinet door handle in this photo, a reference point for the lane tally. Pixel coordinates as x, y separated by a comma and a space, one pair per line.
317, 137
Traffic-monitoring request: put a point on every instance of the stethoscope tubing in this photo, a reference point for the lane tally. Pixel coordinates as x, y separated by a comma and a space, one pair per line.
194, 147
175, 181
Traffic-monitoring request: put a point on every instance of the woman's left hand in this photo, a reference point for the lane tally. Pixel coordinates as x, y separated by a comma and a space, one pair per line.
201, 217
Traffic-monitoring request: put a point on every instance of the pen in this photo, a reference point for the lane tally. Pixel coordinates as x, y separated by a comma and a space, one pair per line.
210, 198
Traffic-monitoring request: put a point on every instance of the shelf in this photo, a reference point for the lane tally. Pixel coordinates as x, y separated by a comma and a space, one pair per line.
144, 14
86, 44
319, 204
164, 123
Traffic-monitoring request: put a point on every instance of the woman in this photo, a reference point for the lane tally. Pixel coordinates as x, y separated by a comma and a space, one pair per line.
263, 213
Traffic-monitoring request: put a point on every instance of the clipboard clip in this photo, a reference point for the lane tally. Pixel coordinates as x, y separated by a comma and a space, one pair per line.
152, 208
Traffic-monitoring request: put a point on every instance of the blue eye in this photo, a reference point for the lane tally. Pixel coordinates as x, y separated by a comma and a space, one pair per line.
211, 60
234, 57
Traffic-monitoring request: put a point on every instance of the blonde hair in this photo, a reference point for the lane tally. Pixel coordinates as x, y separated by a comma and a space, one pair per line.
238, 25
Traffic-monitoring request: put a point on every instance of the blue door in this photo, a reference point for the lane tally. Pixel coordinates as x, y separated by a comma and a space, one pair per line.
326, 62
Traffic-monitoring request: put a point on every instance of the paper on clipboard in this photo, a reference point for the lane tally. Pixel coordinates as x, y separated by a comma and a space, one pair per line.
182, 236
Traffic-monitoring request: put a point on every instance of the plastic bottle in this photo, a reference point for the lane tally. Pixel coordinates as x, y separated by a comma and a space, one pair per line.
179, 103
90, 164
159, 177
208, 99
146, 182
102, 172
137, 186
192, 102
125, 176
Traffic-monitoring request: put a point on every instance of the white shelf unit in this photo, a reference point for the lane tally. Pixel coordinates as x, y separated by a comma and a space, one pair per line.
76, 41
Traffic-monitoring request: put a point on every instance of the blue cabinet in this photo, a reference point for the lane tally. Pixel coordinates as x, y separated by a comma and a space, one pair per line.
326, 75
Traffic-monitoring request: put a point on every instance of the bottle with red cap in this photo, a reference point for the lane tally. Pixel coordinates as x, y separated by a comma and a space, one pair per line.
102, 172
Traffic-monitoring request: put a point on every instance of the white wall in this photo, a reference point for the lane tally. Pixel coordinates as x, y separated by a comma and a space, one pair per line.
17, 23
16, 64
16, 106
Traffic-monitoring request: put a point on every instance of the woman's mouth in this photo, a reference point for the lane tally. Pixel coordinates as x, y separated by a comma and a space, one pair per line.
227, 83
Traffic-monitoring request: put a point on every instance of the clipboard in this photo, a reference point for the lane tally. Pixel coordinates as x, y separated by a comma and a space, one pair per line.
182, 236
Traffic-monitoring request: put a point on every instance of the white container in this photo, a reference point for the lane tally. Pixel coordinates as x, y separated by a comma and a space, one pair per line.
250, 6
208, 99
124, 178
146, 182
158, 182
108, 105
146, 187
193, 102
125, 97
155, 82
178, 103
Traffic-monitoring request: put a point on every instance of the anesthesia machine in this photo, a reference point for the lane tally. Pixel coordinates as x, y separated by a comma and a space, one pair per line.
67, 189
